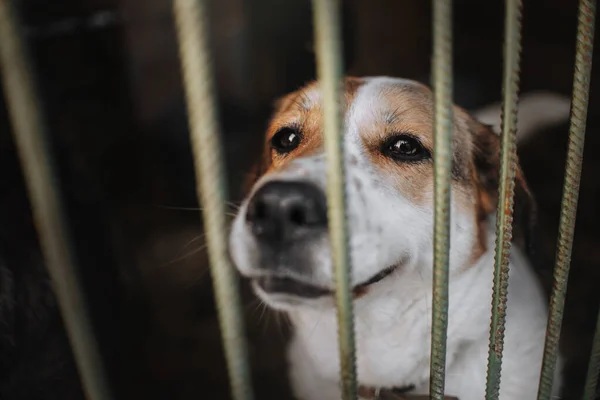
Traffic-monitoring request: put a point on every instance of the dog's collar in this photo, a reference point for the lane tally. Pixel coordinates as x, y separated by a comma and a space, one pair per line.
402, 393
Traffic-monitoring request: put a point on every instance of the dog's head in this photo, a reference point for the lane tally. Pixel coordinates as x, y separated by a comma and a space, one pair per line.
280, 236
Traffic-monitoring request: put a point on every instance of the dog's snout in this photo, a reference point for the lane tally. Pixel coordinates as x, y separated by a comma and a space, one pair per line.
282, 210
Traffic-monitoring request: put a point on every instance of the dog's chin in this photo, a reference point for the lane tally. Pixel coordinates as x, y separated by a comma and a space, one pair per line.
285, 293
287, 301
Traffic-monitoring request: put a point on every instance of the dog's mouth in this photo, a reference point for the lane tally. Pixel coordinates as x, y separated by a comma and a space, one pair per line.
290, 286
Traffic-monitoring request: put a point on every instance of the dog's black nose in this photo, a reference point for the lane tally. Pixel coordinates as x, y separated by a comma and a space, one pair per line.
281, 211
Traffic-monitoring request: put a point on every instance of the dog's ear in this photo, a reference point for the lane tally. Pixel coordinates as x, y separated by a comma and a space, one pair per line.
486, 160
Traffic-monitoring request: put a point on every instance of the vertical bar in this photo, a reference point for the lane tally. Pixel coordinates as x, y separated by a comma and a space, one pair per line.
328, 42
591, 380
191, 21
443, 125
38, 168
566, 229
504, 217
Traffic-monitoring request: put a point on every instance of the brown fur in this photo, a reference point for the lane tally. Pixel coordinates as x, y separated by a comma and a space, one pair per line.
296, 110
410, 108
487, 177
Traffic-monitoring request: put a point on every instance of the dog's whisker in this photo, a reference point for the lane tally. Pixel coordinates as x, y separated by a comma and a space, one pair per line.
267, 313
194, 239
317, 323
280, 319
186, 255
232, 205
255, 302
254, 307
263, 308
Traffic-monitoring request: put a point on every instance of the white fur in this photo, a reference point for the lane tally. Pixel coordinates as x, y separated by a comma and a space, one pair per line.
393, 321
393, 325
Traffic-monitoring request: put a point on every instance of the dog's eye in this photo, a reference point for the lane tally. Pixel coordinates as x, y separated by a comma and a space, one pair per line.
405, 148
285, 140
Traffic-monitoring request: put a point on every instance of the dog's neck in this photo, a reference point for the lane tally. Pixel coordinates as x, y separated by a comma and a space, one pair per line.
392, 330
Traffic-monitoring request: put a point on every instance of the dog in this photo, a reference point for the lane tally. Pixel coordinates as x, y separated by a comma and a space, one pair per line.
279, 240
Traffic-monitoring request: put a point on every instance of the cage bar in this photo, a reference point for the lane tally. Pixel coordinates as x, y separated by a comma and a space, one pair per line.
329, 67
191, 21
591, 381
504, 216
38, 168
442, 160
579, 107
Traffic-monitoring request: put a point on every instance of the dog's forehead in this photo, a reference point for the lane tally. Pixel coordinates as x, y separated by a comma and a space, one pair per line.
372, 92
365, 100
388, 105
374, 108
383, 85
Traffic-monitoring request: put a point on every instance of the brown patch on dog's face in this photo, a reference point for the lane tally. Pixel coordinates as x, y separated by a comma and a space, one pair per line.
300, 110
401, 110
407, 109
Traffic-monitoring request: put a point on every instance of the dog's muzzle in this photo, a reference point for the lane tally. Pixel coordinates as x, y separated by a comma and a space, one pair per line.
287, 219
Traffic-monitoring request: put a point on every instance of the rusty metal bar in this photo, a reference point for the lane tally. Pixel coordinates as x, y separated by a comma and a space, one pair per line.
593, 371
443, 126
329, 66
566, 230
30, 136
504, 216
191, 21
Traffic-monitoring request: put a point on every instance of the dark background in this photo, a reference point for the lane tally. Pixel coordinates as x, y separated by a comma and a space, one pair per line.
109, 76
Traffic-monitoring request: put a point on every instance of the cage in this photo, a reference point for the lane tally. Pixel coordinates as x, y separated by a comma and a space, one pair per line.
192, 24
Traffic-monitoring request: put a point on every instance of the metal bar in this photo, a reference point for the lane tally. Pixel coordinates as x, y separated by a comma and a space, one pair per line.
329, 45
191, 20
443, 126
504, 217
38, 168
591, 380
579, 106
